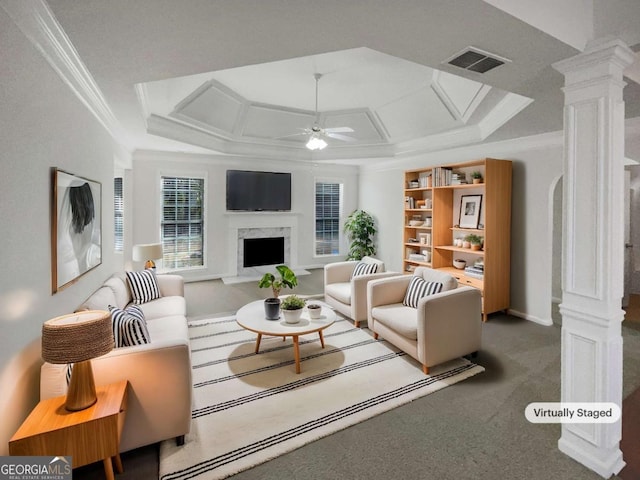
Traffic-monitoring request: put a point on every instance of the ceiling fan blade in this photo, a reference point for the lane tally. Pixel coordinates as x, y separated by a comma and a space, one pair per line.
337, 136
338, 130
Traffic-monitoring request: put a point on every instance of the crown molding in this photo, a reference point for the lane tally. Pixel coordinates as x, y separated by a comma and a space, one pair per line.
36, 21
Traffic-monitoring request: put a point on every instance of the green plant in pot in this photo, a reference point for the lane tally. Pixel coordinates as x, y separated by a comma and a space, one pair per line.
360, 229
286, 279
474, 240
476, 177
291, 307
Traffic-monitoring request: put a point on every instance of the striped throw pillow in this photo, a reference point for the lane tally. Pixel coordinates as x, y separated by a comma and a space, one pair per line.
124, 330
364, 269
129, 326
144, 286
418, 288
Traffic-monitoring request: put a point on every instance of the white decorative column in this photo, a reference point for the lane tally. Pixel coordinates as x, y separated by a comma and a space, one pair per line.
593, 242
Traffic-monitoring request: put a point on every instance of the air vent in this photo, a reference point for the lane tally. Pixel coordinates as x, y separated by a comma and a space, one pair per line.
476, 60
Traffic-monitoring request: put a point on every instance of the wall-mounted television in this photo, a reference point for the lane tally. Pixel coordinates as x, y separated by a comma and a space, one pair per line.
252, 191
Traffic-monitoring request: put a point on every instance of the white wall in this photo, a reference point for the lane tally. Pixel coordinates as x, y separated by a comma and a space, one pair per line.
42, 125
221, 249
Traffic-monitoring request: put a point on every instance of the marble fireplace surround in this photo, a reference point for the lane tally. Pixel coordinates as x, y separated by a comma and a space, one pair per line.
260, 225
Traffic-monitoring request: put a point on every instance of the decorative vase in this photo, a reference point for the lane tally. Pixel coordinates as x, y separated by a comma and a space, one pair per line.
292, 316
466, 244
272, 308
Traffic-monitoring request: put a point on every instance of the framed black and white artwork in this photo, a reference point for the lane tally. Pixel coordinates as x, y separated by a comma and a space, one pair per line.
76, 228
470, 211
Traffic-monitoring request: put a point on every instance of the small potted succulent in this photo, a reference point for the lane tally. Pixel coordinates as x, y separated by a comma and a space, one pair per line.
476, 177
474, 240
291, 307
315, 310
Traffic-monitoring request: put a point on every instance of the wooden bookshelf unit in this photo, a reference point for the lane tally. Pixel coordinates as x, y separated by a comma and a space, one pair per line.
432, 228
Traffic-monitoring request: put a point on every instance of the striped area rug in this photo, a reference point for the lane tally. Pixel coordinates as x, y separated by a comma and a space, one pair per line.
251, 408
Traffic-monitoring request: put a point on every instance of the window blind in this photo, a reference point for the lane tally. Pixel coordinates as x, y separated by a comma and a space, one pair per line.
118, 215
327, 238
182, 224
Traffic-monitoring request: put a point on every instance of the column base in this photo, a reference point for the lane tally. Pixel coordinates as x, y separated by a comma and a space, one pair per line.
605, 462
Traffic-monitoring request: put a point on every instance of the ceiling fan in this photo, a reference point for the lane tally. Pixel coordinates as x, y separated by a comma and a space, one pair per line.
316, 132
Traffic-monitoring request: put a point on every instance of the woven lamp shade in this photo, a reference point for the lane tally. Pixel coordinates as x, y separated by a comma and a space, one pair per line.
77, 337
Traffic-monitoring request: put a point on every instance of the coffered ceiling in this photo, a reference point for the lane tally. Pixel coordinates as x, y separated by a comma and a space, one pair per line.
385, 100
237, 77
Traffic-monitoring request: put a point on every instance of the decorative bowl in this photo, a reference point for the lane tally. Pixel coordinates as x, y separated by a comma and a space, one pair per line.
459, 264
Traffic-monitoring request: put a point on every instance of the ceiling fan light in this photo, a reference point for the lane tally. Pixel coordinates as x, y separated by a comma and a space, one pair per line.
316, 143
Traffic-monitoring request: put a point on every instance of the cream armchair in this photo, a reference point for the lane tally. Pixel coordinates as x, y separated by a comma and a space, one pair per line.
444, 325
348, 294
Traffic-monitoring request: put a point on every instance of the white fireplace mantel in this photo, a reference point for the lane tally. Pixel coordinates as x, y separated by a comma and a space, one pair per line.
261, 220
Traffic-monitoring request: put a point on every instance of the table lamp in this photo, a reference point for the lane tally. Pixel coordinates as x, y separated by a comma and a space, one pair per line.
77, 338
147, 252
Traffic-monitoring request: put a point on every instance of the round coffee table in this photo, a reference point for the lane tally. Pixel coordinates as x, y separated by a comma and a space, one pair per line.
251, 317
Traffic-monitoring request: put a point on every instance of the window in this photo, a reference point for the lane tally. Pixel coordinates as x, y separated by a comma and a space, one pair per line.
182, 223
328, 200
118, 214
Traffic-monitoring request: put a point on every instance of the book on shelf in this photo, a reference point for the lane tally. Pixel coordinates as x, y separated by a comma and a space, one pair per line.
458, 178
409, 202
474, 268
442, 176
424, 179
475, 272
479, 276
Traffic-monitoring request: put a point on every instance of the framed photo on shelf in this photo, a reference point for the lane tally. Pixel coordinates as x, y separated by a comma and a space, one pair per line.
470, 211
424, 239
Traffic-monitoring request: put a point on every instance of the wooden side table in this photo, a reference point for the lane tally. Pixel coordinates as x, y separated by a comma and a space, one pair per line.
88, 435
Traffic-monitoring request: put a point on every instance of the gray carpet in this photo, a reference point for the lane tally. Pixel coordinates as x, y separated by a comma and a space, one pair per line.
473, 430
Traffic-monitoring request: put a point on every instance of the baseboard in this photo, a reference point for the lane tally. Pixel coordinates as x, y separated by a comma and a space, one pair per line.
531, 318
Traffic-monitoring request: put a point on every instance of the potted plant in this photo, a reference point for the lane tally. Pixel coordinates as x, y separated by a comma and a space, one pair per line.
476, 177
287, 279
474, 240
360, 229
291, 307
315, 310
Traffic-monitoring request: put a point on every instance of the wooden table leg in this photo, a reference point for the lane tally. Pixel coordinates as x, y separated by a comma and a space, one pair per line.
321, 338
258, 342
296, 352
108, 468
118, 463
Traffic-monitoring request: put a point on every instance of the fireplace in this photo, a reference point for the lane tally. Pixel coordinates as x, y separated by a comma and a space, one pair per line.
262, 248
263, 251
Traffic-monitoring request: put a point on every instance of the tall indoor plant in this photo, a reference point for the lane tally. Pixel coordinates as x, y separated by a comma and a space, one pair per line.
360, 229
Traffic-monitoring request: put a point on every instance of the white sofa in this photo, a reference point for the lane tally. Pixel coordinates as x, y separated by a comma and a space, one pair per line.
444, 325
348, 294
159, 373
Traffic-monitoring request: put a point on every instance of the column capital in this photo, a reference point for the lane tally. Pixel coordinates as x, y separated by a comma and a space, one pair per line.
609, 56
